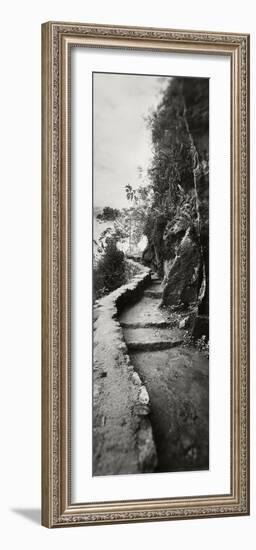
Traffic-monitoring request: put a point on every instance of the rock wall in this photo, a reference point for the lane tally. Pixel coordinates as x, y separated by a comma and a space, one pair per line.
122, 435
182, 274
179, 228
196, 96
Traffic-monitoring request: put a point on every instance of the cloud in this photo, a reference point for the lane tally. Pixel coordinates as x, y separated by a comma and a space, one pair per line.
122, 141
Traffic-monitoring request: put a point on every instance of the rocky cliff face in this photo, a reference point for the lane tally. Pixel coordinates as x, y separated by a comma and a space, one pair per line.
178, 231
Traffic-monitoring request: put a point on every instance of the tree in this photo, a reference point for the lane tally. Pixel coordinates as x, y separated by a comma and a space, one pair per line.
109, 273
108, 214
140, 200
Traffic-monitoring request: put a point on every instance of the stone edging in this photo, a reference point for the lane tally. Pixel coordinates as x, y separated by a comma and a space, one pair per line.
112, 362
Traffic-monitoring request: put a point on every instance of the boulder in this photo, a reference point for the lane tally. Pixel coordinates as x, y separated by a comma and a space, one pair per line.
181, 283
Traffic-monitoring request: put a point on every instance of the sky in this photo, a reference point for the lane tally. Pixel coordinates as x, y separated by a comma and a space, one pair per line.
121, 139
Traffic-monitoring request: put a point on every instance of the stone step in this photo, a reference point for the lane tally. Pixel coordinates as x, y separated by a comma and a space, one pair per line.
149, 324
143, 339
152, 346
155, 277
145, 311
152, 293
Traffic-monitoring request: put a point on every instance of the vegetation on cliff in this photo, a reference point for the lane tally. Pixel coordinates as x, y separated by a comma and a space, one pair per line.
177, 225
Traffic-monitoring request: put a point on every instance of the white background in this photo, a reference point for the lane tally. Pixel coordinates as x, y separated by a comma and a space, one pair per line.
20, 275
217, 479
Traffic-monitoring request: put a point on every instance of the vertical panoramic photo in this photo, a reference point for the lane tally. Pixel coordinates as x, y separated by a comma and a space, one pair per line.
150, 274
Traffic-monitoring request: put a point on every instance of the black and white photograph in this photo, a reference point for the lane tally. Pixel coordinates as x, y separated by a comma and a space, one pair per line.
150, 274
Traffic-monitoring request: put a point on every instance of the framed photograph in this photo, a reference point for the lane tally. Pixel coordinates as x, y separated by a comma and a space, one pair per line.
145, 274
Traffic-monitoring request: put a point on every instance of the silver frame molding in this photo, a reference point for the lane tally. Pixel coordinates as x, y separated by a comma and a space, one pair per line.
57, 41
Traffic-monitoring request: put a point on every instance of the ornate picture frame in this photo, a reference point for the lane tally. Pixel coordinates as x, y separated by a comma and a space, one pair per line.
58, 39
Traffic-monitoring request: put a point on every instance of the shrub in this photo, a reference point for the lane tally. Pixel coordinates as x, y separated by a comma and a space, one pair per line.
109, 273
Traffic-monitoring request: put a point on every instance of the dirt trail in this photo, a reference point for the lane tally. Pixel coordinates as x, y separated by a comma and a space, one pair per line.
177, 381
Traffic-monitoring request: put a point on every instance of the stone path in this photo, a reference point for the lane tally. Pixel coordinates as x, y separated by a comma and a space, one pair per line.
176, 379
